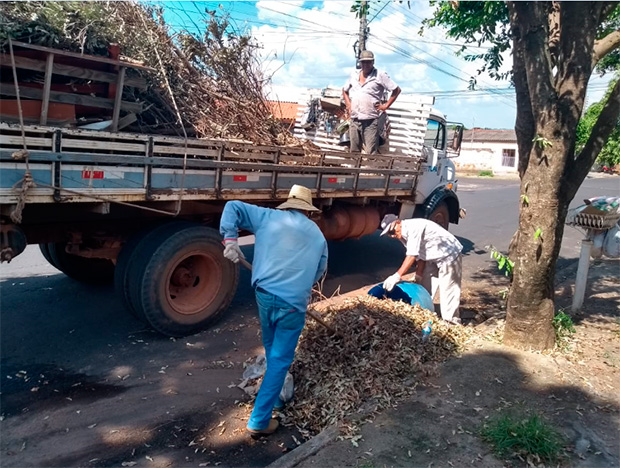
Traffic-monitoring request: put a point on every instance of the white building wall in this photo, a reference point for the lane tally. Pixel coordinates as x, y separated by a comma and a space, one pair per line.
486, 156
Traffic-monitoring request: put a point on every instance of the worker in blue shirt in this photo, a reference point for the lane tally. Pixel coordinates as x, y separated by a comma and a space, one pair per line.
290, 256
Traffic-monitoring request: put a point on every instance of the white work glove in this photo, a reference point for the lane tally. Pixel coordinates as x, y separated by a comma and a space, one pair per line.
232, 251
389, 283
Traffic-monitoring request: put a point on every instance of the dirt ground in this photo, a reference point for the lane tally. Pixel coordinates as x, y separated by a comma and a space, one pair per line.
575, 389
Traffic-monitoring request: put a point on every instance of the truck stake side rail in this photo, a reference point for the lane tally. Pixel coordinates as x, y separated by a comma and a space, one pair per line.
75, 165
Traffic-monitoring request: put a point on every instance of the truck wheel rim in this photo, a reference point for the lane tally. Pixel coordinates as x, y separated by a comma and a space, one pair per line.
193, 283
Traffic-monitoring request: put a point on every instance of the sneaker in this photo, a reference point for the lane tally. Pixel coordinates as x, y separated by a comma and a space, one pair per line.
270, 429
452, 322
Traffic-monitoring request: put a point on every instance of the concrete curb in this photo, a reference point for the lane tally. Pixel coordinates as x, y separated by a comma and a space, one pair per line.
307, 449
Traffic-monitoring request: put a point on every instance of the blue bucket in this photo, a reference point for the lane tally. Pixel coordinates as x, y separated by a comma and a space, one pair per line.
411, 293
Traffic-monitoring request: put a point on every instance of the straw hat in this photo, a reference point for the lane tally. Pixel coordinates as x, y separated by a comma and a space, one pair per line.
299, 198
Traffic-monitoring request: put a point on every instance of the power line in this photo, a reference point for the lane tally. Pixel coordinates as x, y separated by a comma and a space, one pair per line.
410, 15
291, 16
272, 23
405, 53
377, 13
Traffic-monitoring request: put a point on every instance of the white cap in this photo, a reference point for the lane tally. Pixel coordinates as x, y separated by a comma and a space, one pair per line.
386, 223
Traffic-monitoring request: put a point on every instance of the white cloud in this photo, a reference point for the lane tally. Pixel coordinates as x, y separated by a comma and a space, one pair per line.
313, 48
267, 10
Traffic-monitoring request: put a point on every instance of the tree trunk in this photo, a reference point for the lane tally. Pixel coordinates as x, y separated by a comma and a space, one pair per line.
550, 97
530, 308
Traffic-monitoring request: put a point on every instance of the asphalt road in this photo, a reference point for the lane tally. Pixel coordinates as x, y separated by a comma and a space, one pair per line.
85, 384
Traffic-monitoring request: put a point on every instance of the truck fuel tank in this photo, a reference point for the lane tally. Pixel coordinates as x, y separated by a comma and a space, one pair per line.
345, 222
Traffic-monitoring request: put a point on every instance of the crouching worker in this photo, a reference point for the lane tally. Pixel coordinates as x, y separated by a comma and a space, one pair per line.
437, 249
290, 255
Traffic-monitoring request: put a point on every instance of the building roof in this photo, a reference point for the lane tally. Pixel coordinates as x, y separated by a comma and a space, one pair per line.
283, 110
489, 135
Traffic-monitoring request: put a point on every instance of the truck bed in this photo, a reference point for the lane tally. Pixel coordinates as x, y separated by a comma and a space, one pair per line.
75, 166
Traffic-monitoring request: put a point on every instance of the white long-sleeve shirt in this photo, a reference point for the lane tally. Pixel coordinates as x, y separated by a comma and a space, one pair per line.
428, 241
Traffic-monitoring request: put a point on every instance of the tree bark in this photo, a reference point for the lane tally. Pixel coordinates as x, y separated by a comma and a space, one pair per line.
605, 45
551, 97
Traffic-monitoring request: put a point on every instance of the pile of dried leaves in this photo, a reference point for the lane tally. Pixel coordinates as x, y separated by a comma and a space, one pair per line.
377, 359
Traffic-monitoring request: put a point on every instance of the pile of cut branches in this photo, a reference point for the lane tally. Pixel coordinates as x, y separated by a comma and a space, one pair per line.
214, 75
377, 360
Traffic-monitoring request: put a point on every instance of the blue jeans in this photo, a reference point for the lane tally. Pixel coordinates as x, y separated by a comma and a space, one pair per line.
281, 326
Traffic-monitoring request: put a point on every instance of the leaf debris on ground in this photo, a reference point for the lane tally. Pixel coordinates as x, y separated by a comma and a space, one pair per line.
378, 359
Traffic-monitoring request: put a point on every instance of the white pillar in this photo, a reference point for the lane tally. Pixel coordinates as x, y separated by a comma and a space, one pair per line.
582, 274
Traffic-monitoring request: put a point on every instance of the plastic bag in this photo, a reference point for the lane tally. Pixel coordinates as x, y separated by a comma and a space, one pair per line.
256, 370
597, 244
253, 375
611, 245
288, 389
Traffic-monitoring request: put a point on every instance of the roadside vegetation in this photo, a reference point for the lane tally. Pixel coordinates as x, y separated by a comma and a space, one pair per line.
529, 439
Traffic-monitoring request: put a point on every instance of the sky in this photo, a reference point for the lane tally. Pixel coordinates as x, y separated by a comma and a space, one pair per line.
309, 45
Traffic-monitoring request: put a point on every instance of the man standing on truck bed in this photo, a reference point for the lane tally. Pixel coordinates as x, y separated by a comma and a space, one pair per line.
427, 241
363, 94
290, 255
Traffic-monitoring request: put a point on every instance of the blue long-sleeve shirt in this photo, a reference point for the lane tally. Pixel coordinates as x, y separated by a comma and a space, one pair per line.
290, 252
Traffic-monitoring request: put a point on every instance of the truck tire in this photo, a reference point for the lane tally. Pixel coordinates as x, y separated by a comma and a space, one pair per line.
184, 281
121, 282
83, 269
441, 215
46, 253
129, 260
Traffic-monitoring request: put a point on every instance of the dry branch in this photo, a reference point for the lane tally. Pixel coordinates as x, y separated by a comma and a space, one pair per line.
214, 75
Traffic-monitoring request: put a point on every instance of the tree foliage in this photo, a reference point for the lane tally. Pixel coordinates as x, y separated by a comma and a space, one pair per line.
488, 23
611, 61
610, 154
476, 23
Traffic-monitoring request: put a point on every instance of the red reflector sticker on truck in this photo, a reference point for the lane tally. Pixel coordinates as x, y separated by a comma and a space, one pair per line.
397, 181
240, 178
336, 180
92, 174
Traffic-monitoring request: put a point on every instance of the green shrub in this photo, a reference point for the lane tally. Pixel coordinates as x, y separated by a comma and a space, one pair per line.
563, 325
531, 437
485, 173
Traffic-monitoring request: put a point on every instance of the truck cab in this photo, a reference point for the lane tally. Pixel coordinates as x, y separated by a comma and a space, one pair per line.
438, 184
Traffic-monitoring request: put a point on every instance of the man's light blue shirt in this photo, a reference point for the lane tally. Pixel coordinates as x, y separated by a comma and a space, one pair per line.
290, 252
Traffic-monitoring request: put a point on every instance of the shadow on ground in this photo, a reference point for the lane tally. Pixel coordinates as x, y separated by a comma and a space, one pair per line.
440, 425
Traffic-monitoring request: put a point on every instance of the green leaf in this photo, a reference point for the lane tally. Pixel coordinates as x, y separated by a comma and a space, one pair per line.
538, 233
542, 142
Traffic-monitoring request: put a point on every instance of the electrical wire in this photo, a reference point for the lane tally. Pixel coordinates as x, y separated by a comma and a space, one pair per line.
406, 13
377, 13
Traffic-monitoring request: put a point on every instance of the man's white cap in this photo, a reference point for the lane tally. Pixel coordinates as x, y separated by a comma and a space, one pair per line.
387, 222
299, 198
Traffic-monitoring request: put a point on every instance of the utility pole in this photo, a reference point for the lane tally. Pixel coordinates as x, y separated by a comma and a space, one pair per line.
361, 43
